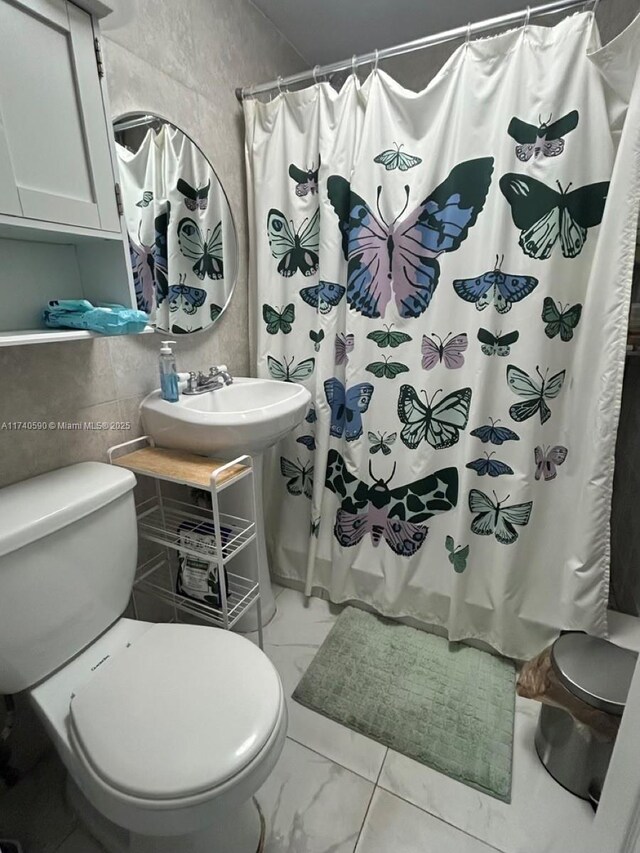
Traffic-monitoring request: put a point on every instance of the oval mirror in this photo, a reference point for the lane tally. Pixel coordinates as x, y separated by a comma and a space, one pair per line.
182, 238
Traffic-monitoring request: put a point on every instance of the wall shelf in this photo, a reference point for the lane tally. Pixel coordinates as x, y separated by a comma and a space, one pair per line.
52, 336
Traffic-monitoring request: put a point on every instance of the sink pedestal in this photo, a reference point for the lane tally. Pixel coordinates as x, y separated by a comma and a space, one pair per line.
235, 501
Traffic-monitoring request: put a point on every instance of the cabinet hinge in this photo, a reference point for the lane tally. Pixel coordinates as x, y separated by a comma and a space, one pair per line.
119, 200
98, 49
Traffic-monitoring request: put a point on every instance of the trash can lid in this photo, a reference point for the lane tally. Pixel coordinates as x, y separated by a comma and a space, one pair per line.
594, 670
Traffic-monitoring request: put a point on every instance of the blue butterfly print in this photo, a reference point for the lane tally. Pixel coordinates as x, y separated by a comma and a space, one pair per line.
323, 296
311, 416
398, 258
186, 297
347, 407
308, 441
492, 467
495, 434
495, 286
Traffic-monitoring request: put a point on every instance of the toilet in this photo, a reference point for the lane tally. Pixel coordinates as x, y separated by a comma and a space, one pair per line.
166, 730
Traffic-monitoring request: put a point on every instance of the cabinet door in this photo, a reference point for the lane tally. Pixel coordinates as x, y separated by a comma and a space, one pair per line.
55, 162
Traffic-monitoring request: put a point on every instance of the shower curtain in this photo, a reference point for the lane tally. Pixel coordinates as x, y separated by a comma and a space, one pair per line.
448, 272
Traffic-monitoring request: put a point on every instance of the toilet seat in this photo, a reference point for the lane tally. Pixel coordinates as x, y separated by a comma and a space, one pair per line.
178, 713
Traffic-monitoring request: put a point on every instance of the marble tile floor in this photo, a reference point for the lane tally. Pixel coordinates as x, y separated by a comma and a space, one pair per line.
334, 791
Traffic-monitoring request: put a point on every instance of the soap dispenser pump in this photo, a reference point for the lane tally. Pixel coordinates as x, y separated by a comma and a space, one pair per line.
168, 373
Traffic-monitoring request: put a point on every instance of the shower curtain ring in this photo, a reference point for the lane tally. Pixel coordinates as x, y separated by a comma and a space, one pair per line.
375, 61
316, 68
527, 17
595, 8
468, 38
354, 65
279, 84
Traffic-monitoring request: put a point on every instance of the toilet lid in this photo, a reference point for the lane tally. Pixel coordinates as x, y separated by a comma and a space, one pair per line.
178, 712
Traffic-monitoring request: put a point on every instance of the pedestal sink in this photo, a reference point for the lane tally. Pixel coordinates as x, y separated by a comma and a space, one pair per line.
246, 417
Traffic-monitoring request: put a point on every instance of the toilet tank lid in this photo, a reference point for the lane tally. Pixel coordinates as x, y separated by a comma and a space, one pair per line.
41, 505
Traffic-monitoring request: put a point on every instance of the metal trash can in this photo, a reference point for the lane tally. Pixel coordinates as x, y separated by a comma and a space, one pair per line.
599, 673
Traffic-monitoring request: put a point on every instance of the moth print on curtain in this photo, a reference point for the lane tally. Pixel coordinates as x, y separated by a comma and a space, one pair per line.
544, 139
395, 514
545, 215
294, 249
495, 287
306, 179
399, 258
195, 198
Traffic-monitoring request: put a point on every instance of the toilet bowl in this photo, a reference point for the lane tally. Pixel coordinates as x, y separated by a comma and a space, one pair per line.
167, 730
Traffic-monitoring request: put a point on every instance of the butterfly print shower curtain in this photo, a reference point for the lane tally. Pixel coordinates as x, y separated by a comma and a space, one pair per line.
455, 296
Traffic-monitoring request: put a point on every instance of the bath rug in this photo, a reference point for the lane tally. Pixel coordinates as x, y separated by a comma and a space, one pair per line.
444, 704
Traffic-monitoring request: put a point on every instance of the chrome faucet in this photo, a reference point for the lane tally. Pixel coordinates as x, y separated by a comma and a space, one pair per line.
200, 383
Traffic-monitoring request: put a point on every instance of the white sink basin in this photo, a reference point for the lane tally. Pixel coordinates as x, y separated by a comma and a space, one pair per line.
245, 417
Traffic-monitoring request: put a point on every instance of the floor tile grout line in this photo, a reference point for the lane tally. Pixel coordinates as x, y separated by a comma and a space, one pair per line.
487, 844
333, 761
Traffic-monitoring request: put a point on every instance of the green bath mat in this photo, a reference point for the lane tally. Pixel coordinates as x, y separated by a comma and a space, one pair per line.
444, 704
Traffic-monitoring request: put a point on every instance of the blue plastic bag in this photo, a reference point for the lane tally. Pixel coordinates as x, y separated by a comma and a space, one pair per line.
107, 319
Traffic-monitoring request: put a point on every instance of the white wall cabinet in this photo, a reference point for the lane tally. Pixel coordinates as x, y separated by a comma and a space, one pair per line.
61, 233
57, 163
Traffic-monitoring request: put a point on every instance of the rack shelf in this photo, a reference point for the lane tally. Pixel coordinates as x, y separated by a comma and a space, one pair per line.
207, 534
178, 525
242, 593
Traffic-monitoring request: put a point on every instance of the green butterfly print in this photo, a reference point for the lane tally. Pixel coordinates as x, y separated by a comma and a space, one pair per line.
560, 320
294, 249
381, 441
457, 556
494, 518
279, 321
497, 344
286, 372
387, 369
545, 215
299, 477
535, 391
215, 311
317, 338
395, 159
439, 424
388, 338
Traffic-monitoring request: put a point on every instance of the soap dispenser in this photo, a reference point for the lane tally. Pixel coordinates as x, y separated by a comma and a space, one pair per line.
168, 373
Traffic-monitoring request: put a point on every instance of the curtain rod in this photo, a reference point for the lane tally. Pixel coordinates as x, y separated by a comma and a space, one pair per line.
408, 47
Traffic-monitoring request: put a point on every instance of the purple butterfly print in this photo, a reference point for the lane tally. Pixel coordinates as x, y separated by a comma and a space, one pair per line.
449, 352
547, 460
344, 345
399, 259
403, 537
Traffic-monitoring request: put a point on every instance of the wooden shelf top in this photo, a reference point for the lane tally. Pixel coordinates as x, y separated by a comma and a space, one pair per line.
177, 466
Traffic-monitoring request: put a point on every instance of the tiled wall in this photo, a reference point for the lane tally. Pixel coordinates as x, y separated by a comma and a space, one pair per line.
183, 61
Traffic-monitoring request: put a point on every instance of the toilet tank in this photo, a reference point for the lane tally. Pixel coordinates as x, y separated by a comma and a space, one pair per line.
68, 550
